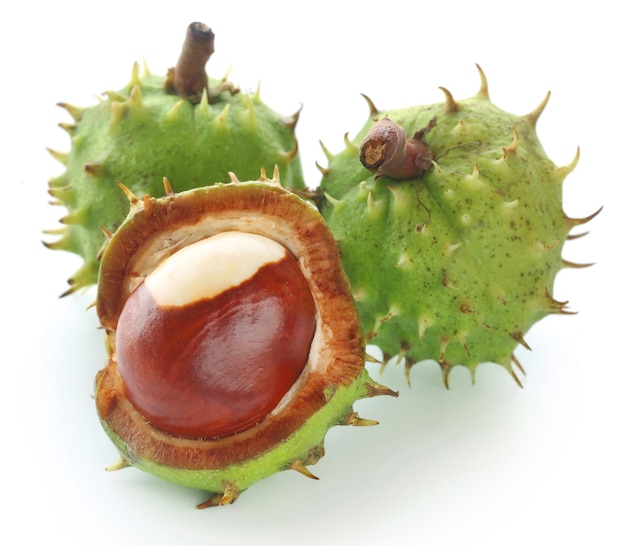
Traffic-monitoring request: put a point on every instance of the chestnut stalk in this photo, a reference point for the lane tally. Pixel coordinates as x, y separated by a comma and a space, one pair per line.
188, 78
386, 151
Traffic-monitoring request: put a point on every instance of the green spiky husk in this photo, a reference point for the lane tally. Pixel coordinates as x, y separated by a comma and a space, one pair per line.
458, 265
305, 446
142, 134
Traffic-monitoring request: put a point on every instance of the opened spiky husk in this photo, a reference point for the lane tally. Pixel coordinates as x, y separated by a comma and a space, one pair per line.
292, 435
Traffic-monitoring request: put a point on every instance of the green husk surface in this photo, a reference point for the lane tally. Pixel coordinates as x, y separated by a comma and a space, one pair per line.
456, 265
142, 134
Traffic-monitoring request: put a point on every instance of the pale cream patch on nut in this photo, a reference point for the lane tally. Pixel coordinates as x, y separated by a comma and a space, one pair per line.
209, 267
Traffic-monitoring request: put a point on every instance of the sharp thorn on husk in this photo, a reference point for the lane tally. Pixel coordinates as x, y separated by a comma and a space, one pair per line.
518, 364
353, 419
373, 110
376, 389
573, 265
325, 171
451, 104
300, 467
517, 379
484, 88
117, 465
574, 236
132, 198
533, 116
167, 187
446, 368
519, 337
580, 221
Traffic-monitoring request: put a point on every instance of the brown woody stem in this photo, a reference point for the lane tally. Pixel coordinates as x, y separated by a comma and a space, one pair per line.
386, 151
189, 79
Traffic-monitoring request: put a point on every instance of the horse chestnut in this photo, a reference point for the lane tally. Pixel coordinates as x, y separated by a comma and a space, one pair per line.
233, 339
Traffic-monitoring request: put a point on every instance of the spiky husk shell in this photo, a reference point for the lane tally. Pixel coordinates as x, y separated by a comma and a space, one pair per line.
292, 436
457, 265
141, 134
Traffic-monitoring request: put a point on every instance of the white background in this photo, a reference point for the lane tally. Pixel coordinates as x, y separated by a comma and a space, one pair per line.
484, 464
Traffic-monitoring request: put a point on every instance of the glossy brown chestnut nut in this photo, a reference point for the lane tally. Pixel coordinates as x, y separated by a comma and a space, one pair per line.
216, 335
